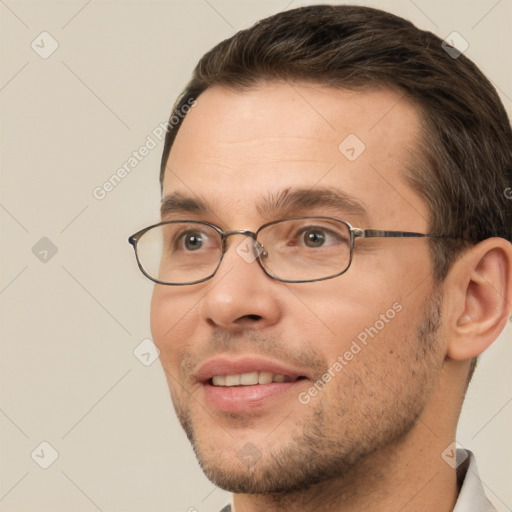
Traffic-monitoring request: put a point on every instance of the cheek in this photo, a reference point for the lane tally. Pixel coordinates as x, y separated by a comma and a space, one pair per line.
173, 320
372, 314
348, 305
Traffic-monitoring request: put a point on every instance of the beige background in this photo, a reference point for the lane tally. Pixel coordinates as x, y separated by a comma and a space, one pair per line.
69, 325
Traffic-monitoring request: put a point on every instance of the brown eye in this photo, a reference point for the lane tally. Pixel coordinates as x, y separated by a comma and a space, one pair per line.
313, 238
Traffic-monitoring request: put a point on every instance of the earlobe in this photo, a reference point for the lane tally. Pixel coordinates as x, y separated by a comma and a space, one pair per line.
481, 291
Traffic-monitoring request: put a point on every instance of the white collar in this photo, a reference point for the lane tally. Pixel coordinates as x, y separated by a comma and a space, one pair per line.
472, 496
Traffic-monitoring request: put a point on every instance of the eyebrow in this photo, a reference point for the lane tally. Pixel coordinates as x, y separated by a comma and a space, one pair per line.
178, 203
287, 202
294, 201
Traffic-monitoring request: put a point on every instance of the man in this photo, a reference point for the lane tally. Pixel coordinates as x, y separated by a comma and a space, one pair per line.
333, 256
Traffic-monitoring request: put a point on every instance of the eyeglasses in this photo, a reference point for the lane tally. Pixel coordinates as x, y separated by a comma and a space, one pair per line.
291, 250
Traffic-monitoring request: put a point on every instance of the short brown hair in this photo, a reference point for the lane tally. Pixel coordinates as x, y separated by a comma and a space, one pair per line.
466, 148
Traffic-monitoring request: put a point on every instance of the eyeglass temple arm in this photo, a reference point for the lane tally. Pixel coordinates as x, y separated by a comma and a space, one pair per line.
376, 233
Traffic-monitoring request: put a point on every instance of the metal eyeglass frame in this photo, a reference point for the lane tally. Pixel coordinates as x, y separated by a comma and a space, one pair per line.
261, 252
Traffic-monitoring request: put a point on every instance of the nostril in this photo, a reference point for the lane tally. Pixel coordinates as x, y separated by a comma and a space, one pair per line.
252, 317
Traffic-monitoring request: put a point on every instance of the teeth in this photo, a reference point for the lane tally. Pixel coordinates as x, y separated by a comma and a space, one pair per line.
219, 380
232, 380
265, 378
249, 379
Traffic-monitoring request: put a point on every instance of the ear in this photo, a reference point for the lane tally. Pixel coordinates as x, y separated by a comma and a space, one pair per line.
478, 290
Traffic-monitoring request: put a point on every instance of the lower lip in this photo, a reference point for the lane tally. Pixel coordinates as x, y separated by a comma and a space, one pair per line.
246, 398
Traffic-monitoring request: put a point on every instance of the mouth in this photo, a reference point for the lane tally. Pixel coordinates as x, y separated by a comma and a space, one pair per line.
251, 379
248, 384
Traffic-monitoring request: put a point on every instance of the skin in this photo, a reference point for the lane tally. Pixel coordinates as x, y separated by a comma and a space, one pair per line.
372, 438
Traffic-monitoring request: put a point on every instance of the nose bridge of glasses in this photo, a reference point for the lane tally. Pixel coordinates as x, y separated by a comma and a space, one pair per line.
257, 247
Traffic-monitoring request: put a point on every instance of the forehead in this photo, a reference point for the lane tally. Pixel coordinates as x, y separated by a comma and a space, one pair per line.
237, 147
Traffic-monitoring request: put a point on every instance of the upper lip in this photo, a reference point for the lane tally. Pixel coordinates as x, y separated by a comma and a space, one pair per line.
225, 366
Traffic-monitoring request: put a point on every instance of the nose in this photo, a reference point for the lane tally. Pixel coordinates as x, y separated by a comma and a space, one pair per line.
241, 295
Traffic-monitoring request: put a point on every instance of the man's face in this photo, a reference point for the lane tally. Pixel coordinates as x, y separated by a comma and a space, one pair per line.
240, 154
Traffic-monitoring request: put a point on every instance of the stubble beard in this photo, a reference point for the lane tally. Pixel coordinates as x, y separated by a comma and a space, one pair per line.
338, 437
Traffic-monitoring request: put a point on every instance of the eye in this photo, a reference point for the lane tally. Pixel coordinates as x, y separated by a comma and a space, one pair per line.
313, 237
306, 236
182, 238
192, 241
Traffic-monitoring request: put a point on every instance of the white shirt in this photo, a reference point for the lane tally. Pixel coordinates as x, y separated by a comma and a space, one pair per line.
472, 496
